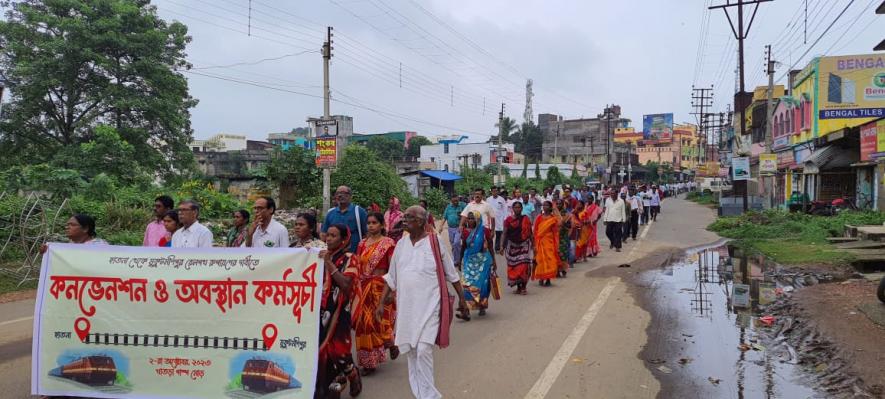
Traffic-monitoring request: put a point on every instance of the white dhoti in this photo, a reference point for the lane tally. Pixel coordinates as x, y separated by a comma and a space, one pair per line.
421, 372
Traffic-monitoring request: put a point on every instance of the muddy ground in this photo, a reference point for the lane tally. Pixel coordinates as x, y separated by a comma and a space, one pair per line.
818, 344
837, 312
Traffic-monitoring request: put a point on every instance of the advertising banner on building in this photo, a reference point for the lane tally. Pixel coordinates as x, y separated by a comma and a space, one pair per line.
869, 139
767, 163
852, 87
657, 127
327, 152
740, 168
132, 322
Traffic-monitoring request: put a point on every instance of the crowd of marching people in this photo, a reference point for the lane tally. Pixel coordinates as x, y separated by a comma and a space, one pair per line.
379, 265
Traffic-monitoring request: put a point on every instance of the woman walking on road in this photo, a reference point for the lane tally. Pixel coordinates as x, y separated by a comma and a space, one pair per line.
477, 264
546, 234
589, 219
373, 337
335, 367
566, 239
517, 248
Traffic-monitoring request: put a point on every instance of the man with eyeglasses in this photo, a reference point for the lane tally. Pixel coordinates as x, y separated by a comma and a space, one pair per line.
265, 231
192, 234
348, 214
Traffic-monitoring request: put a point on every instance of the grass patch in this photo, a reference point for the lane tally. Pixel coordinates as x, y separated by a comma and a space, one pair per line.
703, 198
793, 238
10, 284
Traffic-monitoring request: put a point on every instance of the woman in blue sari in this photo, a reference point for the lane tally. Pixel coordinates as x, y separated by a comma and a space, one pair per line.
476, 264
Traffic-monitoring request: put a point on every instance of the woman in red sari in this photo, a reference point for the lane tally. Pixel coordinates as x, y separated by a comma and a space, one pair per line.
393, 220
592, 213
335, 366
517, 248
373, 338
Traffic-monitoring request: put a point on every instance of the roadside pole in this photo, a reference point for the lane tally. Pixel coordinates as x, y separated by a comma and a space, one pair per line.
327, 171
769, 180
500, 148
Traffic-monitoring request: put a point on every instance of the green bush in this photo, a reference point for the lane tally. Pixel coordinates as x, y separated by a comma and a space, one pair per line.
437, 200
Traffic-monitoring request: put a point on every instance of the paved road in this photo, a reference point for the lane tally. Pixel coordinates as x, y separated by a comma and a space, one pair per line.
580, 338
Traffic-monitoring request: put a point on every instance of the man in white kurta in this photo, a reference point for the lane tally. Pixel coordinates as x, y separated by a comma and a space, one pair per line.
412, 275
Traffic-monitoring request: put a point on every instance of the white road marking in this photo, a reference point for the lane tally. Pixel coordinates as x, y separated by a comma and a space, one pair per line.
551, 373
13, 321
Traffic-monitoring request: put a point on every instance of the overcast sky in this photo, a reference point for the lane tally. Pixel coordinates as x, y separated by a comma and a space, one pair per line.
462, 58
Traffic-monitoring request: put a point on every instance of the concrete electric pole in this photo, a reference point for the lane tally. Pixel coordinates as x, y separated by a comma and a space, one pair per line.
327, 171
740, 34
500, 147
769, 181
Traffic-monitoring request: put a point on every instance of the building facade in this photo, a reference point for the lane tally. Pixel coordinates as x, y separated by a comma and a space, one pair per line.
453, 155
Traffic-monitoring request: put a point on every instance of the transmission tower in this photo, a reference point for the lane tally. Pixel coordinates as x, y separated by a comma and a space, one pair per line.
528, 116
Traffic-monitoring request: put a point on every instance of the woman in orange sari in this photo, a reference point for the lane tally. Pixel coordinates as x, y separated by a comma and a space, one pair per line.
546, 233
583, 235
373, 338
592, 214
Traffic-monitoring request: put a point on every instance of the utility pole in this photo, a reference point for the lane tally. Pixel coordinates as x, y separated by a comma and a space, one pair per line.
740, 34
702, 99
327, 172
500, 146
769, 182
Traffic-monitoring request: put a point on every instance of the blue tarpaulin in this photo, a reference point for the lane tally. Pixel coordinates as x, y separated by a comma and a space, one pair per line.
441, 175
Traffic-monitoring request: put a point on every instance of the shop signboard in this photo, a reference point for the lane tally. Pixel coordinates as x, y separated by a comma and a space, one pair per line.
868, 141
740, 168
327, 150
785, 159
851, 87
657, 127
767, 163
781, 142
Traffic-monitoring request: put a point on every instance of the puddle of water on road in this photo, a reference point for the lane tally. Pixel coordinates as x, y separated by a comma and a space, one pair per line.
714, 296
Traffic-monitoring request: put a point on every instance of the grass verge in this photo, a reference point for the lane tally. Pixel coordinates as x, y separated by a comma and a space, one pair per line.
793, 238
703, 198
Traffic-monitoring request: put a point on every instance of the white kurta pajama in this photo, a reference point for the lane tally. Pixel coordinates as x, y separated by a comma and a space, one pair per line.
412, 274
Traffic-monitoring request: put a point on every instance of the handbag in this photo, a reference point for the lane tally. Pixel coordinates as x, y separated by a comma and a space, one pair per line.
495, 281
447, 300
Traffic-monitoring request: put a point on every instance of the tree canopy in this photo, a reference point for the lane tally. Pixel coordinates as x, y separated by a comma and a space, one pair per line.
295, 173
387, 149
73, 65
415, 144
370, 179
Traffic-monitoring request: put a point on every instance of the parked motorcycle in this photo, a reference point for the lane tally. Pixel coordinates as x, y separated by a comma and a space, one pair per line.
831, 208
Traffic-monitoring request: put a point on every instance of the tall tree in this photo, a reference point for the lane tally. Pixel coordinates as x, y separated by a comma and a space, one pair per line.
414, 149
370, 179
505, 127
294, 172
528, 140
71, 65
387, 149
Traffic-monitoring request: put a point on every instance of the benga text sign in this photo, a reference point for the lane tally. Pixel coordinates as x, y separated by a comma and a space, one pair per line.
132, 322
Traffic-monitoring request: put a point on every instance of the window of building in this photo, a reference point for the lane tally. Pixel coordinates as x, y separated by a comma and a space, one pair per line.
445, 148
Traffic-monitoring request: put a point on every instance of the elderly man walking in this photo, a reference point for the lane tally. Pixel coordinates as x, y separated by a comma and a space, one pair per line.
418, 273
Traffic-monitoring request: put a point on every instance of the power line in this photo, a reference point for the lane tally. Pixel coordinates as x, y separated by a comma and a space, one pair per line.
817, 40
256, 62
374, 109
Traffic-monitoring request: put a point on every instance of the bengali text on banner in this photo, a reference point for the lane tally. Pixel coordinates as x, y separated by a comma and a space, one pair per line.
131, 322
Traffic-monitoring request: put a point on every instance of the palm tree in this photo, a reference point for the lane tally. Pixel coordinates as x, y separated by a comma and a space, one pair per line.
505, 127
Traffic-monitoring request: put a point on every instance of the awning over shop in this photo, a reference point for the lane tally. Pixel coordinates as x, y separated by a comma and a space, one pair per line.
830, 157
441, 175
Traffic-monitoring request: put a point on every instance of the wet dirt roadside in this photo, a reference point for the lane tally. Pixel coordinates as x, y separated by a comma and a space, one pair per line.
701, 345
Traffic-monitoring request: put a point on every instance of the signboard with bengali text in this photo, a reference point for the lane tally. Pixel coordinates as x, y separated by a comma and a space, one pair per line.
132, 322
657, 127
327, 152
767, 163
868, 141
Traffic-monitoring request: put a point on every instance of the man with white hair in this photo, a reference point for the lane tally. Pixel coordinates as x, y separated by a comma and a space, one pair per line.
418, 273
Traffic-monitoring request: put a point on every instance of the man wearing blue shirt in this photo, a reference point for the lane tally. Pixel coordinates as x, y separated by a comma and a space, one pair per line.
452, 214
350, 215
